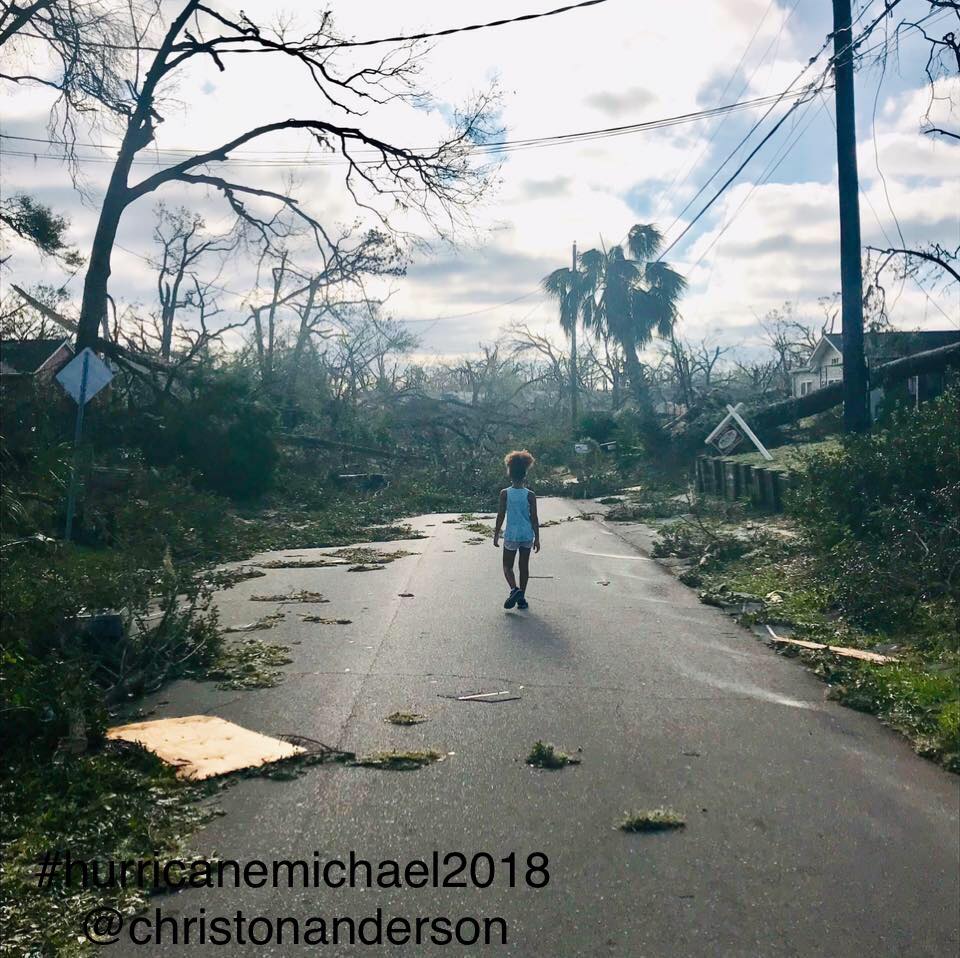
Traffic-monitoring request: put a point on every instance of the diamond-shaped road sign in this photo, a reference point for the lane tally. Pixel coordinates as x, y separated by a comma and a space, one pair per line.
72, 375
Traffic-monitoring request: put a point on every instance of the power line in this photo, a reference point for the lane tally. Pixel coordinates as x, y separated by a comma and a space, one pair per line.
886, 236
341, 44
474, 26
810, 90
771, 168
482, 149
736, 70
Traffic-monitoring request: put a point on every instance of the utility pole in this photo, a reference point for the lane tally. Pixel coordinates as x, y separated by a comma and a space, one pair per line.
574, 378
856, 411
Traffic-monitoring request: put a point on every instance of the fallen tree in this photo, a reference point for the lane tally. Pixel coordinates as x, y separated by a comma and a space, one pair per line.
932, 360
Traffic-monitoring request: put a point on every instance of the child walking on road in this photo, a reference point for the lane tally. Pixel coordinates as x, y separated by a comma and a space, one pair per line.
519, 506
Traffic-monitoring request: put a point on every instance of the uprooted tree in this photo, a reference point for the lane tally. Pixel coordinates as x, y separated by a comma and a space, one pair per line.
438, 183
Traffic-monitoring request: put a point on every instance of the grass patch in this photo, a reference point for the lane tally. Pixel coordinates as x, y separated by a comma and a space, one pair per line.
655, 820
399, 761
248, 665
544, 755
119, 804
771, 566
406, 718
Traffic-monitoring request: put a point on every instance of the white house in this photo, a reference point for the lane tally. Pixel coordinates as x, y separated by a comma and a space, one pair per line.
825, 365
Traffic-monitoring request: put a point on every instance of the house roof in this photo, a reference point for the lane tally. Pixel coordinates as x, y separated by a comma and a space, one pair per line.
29, 355
898, 343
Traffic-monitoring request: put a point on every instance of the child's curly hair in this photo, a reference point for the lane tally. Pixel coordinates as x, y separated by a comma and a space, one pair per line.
518, 462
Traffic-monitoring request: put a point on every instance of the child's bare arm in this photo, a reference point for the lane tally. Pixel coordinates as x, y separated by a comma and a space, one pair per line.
501, 515
534, 521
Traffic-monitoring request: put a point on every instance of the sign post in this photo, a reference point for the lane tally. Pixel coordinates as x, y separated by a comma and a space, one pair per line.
82, 378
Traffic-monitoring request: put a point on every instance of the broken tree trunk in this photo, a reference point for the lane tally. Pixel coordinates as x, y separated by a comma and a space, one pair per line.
137, 361
932, 360
315, 442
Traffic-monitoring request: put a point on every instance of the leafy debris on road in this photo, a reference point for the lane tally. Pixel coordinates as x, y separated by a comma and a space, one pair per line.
324, 621
405, 595
227, 578
399, 761
475, 541
314, 753
406, 718
264, 622
655, 820
323, 563
481, 528
544, 755
365, 568
361, 555
251, 664
304, 595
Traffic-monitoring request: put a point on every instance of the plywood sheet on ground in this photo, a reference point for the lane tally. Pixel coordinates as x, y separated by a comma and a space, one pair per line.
203, 746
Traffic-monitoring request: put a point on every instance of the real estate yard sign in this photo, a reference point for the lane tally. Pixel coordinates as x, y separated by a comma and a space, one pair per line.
731, 432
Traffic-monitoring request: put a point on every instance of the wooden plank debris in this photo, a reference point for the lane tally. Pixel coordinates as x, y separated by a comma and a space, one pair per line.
841, 650
204, 746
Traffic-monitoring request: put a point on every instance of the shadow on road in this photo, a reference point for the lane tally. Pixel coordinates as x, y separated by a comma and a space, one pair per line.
535, 633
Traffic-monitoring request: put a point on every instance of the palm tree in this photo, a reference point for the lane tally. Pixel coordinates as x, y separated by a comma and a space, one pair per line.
569, 287
630, 298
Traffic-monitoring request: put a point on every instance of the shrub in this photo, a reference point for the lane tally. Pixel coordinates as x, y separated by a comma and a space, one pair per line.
58, 673
882, 512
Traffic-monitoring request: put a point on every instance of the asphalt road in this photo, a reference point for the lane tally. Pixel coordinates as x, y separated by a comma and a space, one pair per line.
811, 829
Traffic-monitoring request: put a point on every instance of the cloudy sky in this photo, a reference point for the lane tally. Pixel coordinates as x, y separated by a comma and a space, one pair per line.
771, 238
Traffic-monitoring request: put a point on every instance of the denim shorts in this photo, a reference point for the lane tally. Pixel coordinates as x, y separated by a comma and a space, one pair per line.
512, 544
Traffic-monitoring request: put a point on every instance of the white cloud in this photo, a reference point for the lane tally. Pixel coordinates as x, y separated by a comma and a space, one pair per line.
614, 63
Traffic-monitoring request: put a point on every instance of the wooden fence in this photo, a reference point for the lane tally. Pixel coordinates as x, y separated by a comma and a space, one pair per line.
729, 479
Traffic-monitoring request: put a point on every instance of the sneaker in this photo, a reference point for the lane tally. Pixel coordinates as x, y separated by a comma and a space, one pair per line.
512, 598
522, 601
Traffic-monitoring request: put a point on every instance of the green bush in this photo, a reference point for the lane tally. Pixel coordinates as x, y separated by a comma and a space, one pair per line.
882, 512
56, 670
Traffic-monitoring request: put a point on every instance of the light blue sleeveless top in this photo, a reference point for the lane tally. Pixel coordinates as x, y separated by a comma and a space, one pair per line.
519, 528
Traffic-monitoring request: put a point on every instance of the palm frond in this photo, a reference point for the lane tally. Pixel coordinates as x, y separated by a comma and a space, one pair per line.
644, 241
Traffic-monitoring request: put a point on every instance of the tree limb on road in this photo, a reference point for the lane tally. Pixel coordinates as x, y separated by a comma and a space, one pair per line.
313, 442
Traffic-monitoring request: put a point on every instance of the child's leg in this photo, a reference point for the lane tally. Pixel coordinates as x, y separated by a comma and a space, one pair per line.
508, 556
524, 568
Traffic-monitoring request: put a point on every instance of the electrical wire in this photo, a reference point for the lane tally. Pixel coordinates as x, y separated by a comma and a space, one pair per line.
483, 149
341, 44
810, 90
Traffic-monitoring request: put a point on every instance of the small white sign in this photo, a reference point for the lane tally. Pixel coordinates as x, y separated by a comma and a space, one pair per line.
731, 431
71, 376
581, 448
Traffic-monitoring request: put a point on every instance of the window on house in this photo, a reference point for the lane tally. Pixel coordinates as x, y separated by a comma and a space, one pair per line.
804, 388
835, 361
